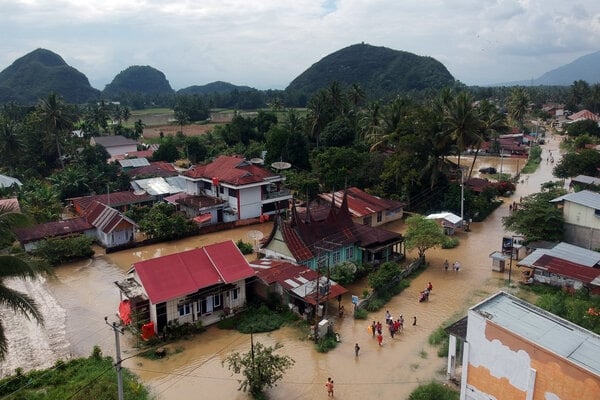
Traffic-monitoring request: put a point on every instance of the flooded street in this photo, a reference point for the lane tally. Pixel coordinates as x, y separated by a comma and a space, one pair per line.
83, 293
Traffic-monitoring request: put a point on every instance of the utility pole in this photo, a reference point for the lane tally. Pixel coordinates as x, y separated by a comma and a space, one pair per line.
117, 329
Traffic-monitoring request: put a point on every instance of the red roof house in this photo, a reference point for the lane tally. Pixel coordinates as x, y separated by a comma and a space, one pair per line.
559, 272
296, 284
248, 190
202, 284
113, 229
29, 237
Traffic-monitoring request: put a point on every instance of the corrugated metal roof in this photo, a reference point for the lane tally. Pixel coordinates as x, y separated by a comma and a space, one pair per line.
568, 269
448, 216
584, 198
545, 329
588, 180
159, 186
235, 171
7, 181
134, 162
565, 251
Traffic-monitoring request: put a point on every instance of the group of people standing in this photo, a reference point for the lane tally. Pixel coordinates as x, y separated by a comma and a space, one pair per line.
455, 266
393, 326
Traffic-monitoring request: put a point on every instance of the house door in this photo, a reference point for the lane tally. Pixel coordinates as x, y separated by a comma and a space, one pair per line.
219, 215
161, 317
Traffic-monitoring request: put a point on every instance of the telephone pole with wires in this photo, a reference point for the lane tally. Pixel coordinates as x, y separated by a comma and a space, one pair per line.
117, 329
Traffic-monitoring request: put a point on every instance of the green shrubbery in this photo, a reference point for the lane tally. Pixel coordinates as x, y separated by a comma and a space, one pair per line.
67, 378
58, 251
245, 248
326, 343
450, 243
434, 391
258, 319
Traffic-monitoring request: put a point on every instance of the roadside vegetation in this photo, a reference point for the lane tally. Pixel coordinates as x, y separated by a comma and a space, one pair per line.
78, 379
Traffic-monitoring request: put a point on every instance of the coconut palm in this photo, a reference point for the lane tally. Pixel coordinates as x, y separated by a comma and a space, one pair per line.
57, 120
11, 143
462, 122
492, 124
11, 267
518, 103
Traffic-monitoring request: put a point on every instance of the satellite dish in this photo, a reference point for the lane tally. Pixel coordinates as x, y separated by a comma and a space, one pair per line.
257, 160
255, 235
281, 165
139, 192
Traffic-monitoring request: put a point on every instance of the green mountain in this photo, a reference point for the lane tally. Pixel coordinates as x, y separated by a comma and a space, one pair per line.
138, 79
40, 72
219, 87
381, 72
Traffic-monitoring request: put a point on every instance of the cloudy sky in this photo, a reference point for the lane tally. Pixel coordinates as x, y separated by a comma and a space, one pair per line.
267, 43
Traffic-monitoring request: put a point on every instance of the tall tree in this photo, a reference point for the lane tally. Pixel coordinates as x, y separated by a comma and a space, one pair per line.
11, 144
492, 123
518, 103
11, 267
423, 234
462, 122
57, 120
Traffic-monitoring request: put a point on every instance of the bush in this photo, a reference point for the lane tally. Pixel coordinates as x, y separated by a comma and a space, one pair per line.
58, 251
258, 319
245, 248
361, 314
434, 391
450, 243
327, 343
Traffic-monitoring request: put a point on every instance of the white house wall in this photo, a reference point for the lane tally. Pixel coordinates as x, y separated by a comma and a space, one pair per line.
250, 202
577, 214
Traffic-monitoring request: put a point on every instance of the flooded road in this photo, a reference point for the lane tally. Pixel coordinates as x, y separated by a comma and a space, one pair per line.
83, 293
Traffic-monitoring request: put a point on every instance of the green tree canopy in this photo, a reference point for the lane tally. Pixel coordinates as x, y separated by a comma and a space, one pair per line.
536, 218
582, 127
423, 234
261, 367
585, 162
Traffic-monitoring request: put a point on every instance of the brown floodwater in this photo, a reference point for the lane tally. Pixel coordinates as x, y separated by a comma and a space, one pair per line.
82, 294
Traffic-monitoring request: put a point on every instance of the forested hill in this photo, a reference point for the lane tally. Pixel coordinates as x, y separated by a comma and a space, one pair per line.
213, 87
381, 72
137, 79
36, 74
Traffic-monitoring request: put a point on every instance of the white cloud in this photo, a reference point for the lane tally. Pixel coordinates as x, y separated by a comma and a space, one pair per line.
267, 43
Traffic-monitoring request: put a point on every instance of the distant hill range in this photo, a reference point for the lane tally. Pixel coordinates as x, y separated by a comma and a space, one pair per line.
586, 68
137, 79
35, 75
219, 87
381, 72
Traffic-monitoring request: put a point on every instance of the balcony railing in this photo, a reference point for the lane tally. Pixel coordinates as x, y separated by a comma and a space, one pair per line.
274, 195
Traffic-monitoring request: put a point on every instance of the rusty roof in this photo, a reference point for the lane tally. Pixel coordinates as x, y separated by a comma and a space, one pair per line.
52, 229
361, 203
233, 170
115, 199
105, 218
159, 169
567, 268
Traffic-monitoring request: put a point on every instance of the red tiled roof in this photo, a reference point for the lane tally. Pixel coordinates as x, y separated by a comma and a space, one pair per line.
52, 229
232, 170
567, 269
361, 203
584, 114
176, 275
159, 169
115, 199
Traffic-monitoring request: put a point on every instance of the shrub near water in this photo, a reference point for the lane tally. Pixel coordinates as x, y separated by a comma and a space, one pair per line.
59, 251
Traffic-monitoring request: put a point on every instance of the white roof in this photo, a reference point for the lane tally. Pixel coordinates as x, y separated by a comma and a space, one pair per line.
7, 181
448, 216
565, 251
159, 186
134, 162
588, 180
559, 336
585, 198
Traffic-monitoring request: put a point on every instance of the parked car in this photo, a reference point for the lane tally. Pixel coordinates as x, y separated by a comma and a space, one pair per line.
488, 170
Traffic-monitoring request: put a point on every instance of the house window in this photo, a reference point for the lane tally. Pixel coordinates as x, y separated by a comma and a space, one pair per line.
379, 216
207, 186
235, 293
336, 257
367, 220
217, 301
233, 193
597, 213
184, 309
349, 253
221, 189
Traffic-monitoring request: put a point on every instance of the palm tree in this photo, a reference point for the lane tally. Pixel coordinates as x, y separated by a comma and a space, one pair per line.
356, 95
462, 122
518, 103
11, 267
492, 124
392, 124
57, 119
319, 115
11, 144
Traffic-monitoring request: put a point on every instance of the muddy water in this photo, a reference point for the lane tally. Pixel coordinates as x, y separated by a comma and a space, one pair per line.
83, 293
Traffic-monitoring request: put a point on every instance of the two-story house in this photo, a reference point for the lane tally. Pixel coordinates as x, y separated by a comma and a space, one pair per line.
247, 190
